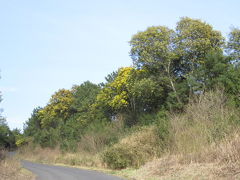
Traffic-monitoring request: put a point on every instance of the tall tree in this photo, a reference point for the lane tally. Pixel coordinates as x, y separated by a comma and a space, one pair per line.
214, 71
173, 56
233, 45
131, 93
153, 50
58, 109
33, 125
84, 96
194, 39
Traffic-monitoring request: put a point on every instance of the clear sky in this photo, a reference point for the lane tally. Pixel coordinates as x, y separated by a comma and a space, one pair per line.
46, 45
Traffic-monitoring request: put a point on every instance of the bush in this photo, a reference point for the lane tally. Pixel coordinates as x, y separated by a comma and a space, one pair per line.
134, 150
119, 157
162, 123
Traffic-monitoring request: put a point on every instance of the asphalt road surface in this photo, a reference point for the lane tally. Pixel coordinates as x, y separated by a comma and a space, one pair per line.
48, 172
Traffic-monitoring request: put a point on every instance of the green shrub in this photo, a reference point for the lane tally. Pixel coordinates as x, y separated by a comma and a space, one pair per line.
163, 129
119, 157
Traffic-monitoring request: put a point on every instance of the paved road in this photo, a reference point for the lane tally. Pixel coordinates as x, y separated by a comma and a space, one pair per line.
48, 172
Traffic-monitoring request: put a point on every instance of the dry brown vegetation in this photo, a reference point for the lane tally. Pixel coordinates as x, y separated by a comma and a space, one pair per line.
206, 120
205, 144
10, 169
216, 162
56, 156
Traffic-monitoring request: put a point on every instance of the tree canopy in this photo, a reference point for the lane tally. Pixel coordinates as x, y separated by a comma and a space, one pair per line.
169, 66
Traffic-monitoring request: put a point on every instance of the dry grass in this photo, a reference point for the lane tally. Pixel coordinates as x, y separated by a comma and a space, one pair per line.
38, 154
97, 138
220, 161
205, 144
206, 120
10, 169
56, 156
168, 168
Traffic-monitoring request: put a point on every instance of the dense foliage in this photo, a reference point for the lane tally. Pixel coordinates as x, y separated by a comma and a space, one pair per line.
169, 67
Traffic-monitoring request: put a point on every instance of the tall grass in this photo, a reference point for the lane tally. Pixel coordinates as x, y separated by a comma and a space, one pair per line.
100, 135
207, 119
10, 168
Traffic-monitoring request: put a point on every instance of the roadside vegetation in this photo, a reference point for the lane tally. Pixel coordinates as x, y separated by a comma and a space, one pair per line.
174, 114
10, 168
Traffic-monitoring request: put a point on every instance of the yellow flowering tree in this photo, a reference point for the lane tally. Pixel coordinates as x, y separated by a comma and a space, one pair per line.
131, 92
58, 108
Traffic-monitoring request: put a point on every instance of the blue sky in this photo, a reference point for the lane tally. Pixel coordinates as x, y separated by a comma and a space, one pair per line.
51, 44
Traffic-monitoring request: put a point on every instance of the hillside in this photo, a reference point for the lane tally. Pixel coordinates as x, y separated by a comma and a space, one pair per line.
174, 114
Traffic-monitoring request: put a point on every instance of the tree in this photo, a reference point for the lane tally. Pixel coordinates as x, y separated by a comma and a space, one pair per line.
63, 119
173, 56
110, 77
58, 109
7, 137
4, 133
153, 50
194, 40
131, 93
233, 45
114, 94
33, 125
84, 96
217, 71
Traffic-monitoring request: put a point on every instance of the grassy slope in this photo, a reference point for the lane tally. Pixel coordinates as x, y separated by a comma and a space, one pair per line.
217, 162
204, 144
